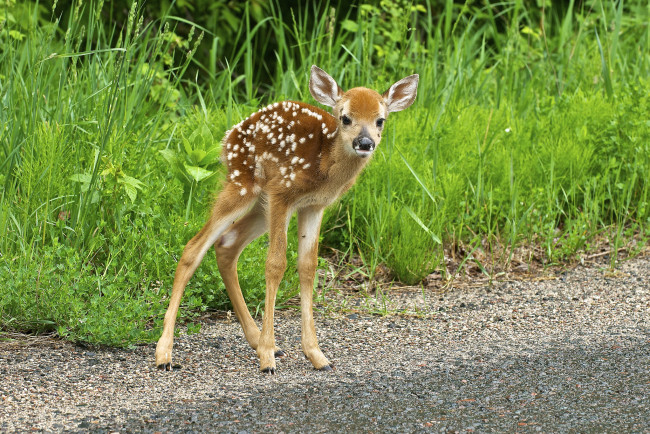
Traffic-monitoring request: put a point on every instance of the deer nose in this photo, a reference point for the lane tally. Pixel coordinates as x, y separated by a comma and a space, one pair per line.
363, 143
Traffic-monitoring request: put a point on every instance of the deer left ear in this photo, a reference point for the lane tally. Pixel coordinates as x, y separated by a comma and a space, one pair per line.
402, 94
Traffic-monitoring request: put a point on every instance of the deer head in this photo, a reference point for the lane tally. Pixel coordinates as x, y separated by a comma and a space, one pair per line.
360, 112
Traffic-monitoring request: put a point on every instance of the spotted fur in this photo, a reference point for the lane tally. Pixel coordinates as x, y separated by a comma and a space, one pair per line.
288, 156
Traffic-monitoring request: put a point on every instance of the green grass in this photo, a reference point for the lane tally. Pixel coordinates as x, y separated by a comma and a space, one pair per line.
522, 136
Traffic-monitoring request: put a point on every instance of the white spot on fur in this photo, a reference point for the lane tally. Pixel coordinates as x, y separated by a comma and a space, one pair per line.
242, 191
229, 238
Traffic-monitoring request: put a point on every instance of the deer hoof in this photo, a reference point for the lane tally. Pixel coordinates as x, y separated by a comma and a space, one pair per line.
165, 367
326, 368
280, 353
268, 371
168, 367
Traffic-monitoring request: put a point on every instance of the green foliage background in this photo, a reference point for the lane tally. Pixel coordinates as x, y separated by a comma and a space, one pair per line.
530, 133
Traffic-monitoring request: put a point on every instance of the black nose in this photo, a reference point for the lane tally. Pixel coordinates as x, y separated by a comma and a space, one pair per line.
363, 143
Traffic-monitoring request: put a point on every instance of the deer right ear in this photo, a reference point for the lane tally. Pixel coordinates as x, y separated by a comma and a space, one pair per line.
402, 94
323, 87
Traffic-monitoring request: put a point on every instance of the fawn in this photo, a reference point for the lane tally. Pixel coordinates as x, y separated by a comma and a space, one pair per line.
289, 156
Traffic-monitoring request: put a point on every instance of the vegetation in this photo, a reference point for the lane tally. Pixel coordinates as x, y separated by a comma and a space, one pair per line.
531, 130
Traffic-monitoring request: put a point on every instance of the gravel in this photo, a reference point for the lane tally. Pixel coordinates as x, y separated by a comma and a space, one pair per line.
564, 352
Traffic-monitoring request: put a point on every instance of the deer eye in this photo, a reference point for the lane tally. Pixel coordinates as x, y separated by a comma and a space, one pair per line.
380, 122
346, 120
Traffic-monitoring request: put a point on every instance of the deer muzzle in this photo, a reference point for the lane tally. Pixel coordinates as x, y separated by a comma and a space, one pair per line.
363, 145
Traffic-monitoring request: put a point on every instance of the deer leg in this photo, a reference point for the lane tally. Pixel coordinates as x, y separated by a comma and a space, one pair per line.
228, 207
228, 248
276, 264
309, 220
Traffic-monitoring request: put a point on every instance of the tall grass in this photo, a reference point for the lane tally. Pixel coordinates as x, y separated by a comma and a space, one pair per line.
529, 134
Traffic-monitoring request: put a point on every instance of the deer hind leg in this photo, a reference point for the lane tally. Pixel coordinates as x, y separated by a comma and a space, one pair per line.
230, 205
309, 220
228, 249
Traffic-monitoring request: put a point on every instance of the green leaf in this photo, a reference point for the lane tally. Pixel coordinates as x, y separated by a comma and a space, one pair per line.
81, 177
350, 26
211, 157
176, 167
130, 181
131, 192
15, 34
198, 173
206, 137
196, 156
169, 155
187, 145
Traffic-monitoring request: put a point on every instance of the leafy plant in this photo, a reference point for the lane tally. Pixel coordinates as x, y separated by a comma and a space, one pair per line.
194, 161
114, 182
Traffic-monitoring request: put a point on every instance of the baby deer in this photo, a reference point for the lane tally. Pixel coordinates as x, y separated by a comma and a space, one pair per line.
287, 157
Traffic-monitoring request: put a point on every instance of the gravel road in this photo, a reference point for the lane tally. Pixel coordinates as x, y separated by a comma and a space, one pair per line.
566, 352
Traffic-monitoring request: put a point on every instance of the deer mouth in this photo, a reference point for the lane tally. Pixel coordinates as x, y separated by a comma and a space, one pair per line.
363, 154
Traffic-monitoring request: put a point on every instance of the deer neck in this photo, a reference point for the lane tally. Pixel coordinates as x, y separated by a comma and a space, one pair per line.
339, 163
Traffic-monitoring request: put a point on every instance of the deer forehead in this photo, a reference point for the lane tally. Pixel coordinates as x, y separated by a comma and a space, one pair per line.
363, 104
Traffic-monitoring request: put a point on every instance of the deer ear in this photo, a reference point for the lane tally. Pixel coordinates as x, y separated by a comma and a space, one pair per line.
402, 94
323, 87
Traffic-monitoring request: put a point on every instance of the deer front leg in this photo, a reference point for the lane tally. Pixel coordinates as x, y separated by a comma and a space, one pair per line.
276, 264
309, 220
